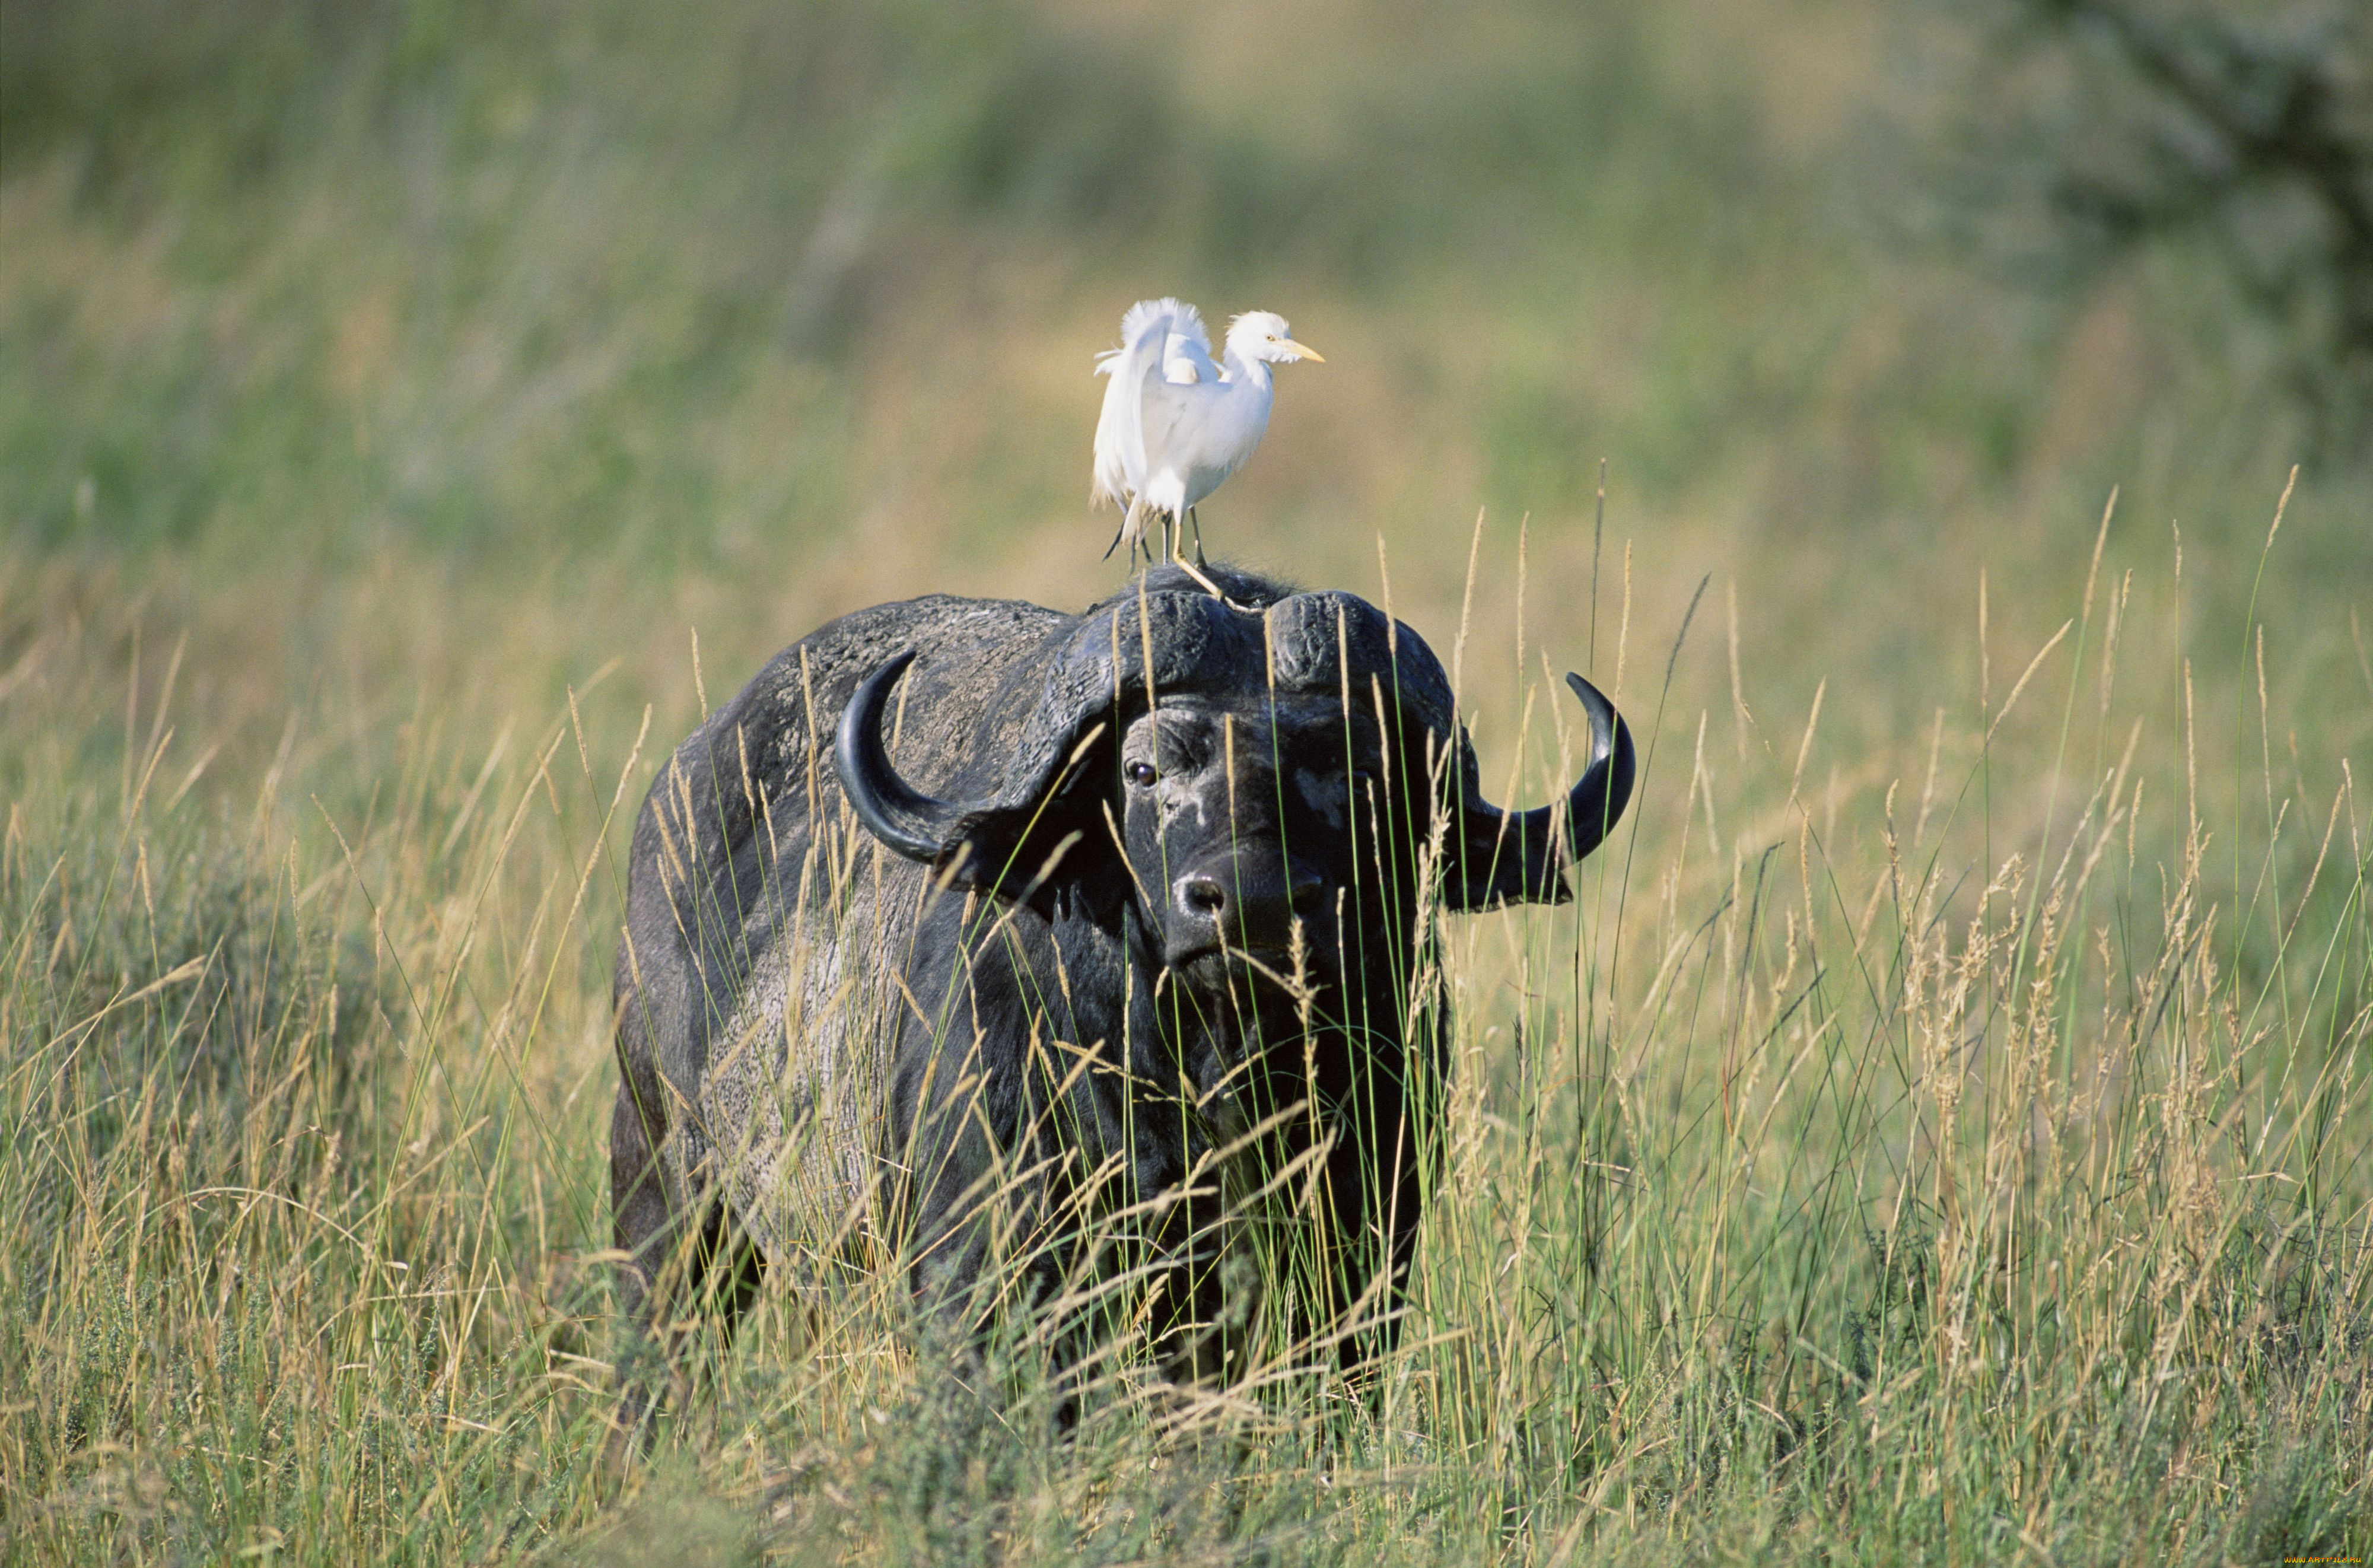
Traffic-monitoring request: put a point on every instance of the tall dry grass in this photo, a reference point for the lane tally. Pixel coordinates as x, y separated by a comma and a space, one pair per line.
1949, 1144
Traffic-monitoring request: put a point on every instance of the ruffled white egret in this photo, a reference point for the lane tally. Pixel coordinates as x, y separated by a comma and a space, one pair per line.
1174, 424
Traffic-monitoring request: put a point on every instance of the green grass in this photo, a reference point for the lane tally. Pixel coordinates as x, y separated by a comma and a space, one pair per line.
1936, 1132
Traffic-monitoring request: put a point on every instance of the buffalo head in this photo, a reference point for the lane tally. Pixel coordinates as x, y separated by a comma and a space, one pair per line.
1270, 778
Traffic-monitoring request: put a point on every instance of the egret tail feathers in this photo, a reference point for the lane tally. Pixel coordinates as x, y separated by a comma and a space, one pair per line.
1140, 364
1184, 321
1120, 430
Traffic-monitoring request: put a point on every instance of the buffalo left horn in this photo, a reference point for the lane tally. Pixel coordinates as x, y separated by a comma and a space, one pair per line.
1503, 855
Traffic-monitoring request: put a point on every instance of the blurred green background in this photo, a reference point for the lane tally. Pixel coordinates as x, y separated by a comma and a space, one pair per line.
802, 298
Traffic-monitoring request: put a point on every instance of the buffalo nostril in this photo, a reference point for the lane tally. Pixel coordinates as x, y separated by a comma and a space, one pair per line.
1201, 894
1309, 892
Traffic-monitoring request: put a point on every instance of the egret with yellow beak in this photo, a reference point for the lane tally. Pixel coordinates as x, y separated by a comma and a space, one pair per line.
1174, 424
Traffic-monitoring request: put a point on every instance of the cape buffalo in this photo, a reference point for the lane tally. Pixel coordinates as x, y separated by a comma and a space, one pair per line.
1001, 946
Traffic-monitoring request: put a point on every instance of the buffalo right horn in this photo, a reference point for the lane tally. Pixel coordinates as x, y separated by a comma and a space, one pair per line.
918, 825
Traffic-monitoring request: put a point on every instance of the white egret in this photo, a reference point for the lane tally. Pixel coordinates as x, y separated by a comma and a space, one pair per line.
1174, 424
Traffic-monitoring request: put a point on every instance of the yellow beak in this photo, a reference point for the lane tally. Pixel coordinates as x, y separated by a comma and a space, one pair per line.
1305, 350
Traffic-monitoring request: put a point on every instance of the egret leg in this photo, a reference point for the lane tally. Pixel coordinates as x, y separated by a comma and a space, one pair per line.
1212, 588
1198, 537
1132, 528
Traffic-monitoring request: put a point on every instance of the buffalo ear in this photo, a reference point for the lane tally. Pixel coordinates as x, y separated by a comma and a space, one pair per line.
1491, 871
1055, 839
1501, 857
1015, 855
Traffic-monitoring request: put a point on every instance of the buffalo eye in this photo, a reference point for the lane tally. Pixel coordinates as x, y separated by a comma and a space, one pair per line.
1141, 774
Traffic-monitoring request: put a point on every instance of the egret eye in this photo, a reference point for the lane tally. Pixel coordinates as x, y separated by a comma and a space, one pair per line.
1141, 774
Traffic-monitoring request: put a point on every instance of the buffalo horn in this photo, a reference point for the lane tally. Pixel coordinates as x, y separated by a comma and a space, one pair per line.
918, 825
1525, 842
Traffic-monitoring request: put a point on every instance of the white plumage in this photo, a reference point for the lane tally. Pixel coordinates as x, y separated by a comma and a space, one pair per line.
1174, 424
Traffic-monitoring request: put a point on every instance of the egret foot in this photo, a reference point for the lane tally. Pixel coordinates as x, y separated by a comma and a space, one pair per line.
1213, 588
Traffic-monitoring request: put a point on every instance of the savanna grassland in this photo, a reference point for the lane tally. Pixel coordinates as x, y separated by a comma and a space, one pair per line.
1938, 1130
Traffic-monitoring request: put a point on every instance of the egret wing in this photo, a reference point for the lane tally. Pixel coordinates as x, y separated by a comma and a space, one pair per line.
1212, 433
1186, 357
1170, 415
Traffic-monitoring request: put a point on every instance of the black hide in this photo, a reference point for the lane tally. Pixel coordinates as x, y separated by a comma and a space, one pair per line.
988, 995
